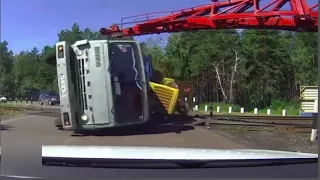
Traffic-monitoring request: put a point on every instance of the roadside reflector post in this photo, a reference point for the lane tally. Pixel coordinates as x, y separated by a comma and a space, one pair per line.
196, 107
255, 111
194, 103
211, 110
284, 112
186, 103
242, 110
206, 108
314, 131
230, 110
268, 111
218, 109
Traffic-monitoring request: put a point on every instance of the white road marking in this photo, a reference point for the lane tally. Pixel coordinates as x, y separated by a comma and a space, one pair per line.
15, 119
23, 177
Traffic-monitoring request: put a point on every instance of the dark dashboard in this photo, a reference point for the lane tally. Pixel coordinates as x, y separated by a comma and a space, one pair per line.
33, 169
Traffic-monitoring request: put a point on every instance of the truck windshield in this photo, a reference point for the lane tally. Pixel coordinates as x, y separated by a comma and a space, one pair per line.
125, 62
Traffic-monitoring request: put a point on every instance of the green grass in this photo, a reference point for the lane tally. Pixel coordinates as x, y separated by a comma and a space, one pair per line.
6, 110
14, 104
292, 108
224, 108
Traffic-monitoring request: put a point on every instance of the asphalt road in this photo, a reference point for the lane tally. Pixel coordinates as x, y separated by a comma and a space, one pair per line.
21, 139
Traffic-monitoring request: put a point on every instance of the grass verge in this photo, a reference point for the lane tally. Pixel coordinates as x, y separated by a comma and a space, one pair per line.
292, 108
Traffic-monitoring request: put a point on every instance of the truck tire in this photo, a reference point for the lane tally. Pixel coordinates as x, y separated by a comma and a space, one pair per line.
58, 123
182, 110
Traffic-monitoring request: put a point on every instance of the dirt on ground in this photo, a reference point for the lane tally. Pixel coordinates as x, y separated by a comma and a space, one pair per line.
7, 114
14, 112
283, 141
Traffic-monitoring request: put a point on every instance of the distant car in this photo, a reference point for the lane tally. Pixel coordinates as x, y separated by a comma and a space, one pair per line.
49, 98
3, 99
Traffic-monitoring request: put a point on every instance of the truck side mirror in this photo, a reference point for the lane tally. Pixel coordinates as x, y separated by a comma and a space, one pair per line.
148, 66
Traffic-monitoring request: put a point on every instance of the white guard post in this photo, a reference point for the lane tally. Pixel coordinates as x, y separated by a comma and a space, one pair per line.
314, 131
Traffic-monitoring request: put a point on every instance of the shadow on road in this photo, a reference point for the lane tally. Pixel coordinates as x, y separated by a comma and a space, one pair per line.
180, 119
175, 124
137, 130
5, 127
47, 112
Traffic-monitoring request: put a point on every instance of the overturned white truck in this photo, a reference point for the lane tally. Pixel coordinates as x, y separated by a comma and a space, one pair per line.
102, 84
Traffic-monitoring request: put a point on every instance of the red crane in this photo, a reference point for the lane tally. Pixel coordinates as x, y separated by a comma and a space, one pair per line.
239, 14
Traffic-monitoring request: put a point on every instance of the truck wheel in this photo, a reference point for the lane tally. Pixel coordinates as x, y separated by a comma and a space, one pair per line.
58, 123
182, 110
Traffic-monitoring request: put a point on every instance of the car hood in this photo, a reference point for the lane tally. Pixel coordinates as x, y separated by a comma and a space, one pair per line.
130, 152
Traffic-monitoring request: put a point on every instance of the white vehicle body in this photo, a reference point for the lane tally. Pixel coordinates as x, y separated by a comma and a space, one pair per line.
163, 153
3, 99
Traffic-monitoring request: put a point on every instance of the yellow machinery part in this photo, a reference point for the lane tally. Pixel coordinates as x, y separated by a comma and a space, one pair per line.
168, 81
167, 95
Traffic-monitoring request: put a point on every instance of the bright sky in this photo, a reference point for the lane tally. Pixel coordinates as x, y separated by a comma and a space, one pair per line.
35, 23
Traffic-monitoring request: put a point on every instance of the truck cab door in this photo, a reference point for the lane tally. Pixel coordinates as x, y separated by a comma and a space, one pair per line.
147, 62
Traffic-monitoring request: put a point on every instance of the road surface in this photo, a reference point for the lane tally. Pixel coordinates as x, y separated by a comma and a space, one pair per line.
22, 137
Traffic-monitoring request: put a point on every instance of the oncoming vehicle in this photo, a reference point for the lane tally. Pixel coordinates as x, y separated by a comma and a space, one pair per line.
102, 84
49, 98
3, 99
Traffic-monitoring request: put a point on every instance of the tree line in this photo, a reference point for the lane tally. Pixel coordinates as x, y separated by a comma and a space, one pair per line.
250, 68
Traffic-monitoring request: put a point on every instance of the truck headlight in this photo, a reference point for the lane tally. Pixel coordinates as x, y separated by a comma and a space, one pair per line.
84, 117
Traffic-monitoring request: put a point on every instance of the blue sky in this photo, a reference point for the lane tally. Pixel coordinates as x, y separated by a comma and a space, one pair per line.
35, 23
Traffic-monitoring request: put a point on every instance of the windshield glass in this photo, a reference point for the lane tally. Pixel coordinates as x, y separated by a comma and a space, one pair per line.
125, 61
229, 80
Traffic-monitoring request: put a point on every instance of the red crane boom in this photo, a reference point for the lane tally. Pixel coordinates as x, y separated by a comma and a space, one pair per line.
239, 14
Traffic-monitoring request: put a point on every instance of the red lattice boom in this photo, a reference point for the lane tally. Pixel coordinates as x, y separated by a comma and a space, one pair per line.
240, 14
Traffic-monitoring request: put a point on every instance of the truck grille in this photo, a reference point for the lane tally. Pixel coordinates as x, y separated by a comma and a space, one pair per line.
81, 84
167, 95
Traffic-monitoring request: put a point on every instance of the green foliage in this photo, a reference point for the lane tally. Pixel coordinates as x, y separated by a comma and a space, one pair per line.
35, 69
252, 68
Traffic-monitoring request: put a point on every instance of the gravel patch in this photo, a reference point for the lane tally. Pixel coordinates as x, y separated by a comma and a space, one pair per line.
282, 141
